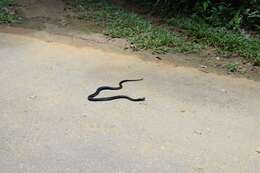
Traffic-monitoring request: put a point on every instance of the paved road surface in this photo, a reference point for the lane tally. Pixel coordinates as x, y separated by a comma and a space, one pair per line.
192, 122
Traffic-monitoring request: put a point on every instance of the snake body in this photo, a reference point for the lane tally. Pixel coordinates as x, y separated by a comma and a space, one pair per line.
92, 97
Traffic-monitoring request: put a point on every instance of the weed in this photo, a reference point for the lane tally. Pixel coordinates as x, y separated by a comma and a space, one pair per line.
5, 3
232, 67
122, 24
232, 14
227, 41
7, 15
119, 23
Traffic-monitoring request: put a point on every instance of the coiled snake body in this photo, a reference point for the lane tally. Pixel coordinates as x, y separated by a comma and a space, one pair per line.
92, 97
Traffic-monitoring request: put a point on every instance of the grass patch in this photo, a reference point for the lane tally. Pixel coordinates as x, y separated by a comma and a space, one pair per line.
122, 24
7, 13
119, 23
226, 41
232, 67
147, 36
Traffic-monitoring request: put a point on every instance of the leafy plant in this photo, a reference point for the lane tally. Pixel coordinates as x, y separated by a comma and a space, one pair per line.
122, 24
221, 38
231, 14
7, 15
5, 3
232, 67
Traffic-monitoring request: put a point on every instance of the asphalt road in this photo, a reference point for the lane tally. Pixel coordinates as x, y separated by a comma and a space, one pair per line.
191, 122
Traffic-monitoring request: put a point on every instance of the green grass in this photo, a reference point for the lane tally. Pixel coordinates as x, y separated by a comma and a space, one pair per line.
147, 36
6, 14
227, 41
119, 23
122, 24
5, 3
232, 67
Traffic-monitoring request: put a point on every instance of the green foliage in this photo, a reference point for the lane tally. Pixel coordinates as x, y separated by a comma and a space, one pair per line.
7, 15
122, 24
119, 23
219, 37
231, 14
5, 3
232, 67
98, 11
146, 36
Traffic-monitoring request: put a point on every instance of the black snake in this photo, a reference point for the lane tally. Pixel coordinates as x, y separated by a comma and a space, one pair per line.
92, 97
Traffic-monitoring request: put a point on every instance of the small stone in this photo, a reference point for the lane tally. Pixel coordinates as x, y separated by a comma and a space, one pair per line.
133, 47
258, 149
159, 58
218, 58
203, 66
204, 71
208, 129
33, 97
197, 132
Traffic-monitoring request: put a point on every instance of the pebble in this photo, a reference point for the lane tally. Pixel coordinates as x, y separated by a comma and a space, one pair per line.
203, 66
33, 97
258, 149
197, 132
205, 71
158, 58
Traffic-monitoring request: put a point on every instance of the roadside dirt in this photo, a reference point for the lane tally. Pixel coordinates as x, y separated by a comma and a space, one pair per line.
56, 17
52, 16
